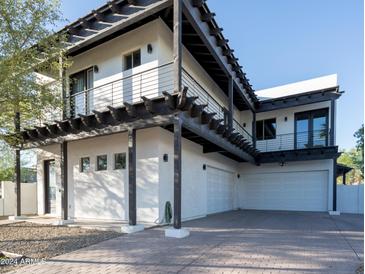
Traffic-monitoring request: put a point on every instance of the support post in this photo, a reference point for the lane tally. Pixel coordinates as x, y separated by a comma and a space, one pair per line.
254, 129
332, 130
17, 167
64, 181
132, 176
230, 103
177, 231
177, 47
334, 202
344, 178
132, 227
177, 172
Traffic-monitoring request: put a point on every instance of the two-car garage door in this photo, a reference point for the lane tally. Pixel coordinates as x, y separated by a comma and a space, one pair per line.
302, 191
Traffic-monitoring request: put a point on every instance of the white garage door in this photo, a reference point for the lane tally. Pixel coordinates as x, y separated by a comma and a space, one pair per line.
220, 184
302, 191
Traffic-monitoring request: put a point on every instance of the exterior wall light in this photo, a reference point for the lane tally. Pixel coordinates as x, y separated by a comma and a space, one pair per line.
286, 119
96, 69
204, 167
165, 157
238, 176
244, 124
149, 48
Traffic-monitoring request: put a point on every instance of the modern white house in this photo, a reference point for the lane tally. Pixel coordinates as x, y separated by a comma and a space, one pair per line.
159, 110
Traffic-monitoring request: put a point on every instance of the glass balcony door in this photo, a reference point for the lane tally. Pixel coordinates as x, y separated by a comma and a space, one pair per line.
81, 85
311, 129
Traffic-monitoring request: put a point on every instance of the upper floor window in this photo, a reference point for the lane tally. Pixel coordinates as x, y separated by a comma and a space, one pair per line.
82, 80
132, 60
266, 129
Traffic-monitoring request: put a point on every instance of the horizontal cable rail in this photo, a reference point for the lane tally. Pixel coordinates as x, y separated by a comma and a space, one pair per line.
299, 140
130, 89
149, 83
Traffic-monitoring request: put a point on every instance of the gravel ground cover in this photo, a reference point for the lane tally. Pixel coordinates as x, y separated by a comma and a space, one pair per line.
38, 241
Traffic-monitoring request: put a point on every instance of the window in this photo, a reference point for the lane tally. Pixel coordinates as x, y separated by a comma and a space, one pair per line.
85, 164
266, 129
132, 60
101, 162
81, 101
311, 129
119, 161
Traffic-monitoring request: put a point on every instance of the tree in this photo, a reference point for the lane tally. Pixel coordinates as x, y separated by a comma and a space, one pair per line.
28, 45
358, 158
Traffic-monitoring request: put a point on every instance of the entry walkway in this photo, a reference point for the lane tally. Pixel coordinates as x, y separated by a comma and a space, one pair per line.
233, 242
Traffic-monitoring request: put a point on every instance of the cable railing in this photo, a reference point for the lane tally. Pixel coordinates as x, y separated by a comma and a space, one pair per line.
130, 89
237, 127
299, 140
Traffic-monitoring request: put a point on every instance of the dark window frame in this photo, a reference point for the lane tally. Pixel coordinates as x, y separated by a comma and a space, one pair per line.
311, 114
133, 59
97, 162
261, 127
82, 170
123, 167
84, 73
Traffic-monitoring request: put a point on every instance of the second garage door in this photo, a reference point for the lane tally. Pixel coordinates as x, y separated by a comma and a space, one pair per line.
220, 185
302, 191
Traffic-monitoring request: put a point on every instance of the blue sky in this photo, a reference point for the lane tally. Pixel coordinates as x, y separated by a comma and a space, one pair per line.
284, 41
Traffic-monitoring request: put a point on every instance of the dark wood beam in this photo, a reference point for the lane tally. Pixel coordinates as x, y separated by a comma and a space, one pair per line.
64, 180
198, 3
207, 17
177, 45
131, 110
177, 172
216, 31
170, 100
132, 177
114, 113
148, 104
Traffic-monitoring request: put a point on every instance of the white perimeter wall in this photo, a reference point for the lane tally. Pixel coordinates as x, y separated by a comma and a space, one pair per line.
301, 166
350, 198
28, 198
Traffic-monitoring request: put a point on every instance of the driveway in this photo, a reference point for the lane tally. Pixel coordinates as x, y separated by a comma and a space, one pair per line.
233, 242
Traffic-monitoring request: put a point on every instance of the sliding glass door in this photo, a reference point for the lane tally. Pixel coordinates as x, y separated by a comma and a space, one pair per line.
81, 85
311, 129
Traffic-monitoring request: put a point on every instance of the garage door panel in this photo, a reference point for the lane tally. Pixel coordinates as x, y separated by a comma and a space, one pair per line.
303, 191
220, 184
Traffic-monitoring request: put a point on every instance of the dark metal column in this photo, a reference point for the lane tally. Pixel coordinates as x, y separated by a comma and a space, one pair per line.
332, 130
254, 129
230, 103
177, 48
64, 180
177, 172
132, 176
334, 202
344, 178
17, 167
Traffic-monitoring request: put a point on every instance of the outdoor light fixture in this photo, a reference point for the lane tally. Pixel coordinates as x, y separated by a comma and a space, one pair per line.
282, 163
165, 157
96, 69
149, 48
204, 167
286, 119
244, 124
238, 175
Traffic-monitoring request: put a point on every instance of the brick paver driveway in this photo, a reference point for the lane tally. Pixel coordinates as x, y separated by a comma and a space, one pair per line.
234, 242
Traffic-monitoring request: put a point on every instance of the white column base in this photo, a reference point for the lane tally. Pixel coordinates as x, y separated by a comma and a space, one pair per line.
63, 222
334, 213
17, 218
177, 233
132, 228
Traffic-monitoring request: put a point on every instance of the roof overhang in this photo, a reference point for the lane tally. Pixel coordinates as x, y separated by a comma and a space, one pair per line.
306, 98
201, 36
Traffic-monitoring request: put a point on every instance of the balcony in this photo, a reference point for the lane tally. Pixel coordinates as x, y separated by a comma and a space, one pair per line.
295, 141
150, 84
